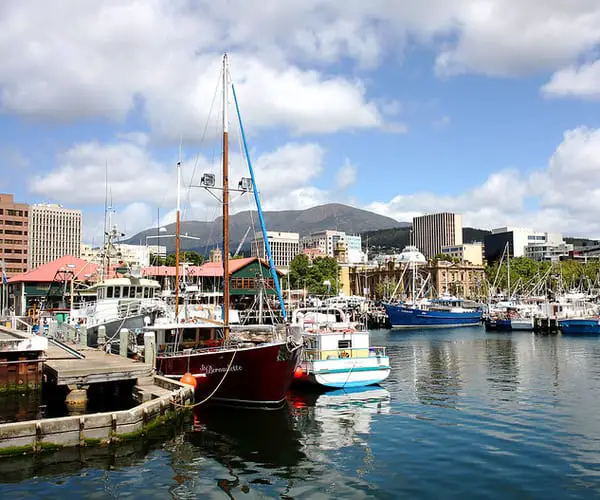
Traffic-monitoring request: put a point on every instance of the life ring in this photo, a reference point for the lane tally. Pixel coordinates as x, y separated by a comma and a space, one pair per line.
344, 354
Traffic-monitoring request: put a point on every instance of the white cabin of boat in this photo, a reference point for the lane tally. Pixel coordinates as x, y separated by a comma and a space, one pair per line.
117, 298
334, 345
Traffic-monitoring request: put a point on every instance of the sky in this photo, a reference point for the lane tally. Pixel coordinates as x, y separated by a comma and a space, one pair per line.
488, 108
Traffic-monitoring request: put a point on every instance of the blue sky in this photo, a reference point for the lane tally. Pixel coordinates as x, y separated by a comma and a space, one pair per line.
489, 108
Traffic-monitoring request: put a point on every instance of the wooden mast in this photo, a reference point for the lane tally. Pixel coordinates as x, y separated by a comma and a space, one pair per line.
177, 240
225, 203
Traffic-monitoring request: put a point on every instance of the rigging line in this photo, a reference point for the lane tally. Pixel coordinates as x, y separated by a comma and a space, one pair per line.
203, 138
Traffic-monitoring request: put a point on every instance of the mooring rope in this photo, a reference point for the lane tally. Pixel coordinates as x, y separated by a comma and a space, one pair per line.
214, 391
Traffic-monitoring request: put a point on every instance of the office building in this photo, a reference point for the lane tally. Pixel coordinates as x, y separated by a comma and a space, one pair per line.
132, 255
284, 247
434, 231
550, 252
344, 247
524, 242
14, 225
467, 252
326, 241
54, 231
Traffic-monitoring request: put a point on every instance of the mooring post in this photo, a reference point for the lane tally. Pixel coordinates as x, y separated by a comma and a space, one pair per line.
83, 336
101, 335
123, 341
149, 348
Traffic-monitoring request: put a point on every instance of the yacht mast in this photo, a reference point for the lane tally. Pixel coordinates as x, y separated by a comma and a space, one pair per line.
508, 266
177, 239
225, 203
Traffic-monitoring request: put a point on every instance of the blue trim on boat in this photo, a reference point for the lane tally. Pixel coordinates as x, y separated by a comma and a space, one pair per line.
350, 385
351, 370
409, 317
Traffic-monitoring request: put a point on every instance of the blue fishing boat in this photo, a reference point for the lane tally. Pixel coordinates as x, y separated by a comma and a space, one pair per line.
434, 314
580, 326
445, 312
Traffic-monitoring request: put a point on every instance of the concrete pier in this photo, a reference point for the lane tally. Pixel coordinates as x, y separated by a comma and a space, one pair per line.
96, 367
161, 400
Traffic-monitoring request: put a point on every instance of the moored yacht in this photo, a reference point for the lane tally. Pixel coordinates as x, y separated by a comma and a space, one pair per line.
225, 365
337, 353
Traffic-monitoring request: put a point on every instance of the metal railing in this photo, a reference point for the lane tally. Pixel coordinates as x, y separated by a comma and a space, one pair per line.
353, 352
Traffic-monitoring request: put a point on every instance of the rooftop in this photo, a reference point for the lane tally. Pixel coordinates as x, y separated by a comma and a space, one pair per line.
82, 269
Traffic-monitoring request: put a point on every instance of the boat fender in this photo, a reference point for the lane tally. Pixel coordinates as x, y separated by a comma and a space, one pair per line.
344, 354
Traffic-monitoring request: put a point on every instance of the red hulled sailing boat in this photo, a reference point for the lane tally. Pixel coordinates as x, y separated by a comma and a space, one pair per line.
250, 366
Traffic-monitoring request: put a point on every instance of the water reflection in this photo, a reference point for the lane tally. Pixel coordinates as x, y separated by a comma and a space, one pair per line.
19, 407
71, 461
502, 363
340, 418
265, 437
438, 379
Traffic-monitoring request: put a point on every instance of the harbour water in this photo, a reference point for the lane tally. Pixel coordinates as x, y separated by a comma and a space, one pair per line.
464, 414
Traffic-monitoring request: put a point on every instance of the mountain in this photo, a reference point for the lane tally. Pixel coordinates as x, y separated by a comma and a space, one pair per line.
330, 216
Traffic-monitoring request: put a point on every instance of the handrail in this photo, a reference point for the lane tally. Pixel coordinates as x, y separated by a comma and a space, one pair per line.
377, 350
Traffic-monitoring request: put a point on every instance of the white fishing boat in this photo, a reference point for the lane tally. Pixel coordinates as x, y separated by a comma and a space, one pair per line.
128, 301
337, 353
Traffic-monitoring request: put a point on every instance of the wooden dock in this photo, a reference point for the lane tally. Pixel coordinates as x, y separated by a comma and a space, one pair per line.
96, 367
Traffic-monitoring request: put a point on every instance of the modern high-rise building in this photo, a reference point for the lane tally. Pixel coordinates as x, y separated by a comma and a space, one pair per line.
284, 247
54, 231
14, 222
524, 242
432, 232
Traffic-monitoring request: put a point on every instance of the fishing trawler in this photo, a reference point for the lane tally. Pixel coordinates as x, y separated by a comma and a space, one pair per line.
126, 301
445, 312
248, 368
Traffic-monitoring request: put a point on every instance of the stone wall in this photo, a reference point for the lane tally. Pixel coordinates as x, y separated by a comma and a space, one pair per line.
99, 428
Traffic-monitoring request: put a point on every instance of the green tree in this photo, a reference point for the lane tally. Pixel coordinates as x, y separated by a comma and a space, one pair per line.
324, 269
190, 257
303, 273
444, 257
298, 274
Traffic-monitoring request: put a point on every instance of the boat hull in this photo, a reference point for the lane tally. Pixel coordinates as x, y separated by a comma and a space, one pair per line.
407, 317
522, 324
256, 376
344, 373
132, 323
497, 325
579, 326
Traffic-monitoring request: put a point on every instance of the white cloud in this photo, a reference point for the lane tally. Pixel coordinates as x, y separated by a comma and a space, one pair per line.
115, 56
67, 60
563, 196
512, 37
138, 183
80, 177
346, 175
582, 81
